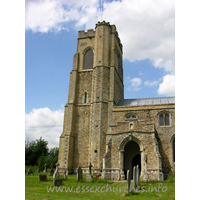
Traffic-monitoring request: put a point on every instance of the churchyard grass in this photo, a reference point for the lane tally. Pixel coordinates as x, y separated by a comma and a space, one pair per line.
35, 190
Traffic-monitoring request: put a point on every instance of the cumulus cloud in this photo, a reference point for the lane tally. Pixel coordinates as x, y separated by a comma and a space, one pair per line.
150, 83
167, 87
135, 84
54, 15
146, 27
44, 123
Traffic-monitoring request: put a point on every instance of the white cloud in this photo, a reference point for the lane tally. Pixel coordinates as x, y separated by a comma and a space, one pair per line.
150, 83
44, 123
140, 73
146, 27
53, 15
135, 83
167, 87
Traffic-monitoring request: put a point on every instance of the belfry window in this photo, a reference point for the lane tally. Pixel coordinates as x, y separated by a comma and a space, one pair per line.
88, 59
164, 119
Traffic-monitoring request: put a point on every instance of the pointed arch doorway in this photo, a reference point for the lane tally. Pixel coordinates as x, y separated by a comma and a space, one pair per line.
131, 154
132, 157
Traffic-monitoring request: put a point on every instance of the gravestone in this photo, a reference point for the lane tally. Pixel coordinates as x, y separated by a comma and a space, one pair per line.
51, 170
57, 182
79, 173
42, 178
89, 176
56, 173
90, 169
29, 171
45, 168
65, 177
38, 170
128, 181
137, 175
134, 177
119, 175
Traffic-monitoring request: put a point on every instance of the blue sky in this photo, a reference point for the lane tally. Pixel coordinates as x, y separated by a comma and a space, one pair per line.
147, 32
49, 59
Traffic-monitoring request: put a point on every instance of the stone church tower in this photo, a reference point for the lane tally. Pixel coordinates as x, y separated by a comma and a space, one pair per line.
103, 128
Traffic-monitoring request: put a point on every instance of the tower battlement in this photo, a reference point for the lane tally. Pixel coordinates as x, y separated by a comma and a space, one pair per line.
113, 30
89, 34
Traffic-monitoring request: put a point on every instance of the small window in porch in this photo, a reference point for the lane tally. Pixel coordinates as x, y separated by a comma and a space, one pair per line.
164, 119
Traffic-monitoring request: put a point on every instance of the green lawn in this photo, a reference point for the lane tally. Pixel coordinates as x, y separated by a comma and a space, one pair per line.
81, 190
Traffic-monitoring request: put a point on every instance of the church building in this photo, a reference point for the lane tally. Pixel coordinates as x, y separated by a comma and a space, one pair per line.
101, 127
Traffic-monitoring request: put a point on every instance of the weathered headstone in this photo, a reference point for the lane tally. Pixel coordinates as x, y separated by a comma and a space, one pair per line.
137, 175
51, 170
38, 170
119, 175
42, 178
128, 181
90, 169
45, 168
134, 178
56, 173
65, 177
57, 182
79, 173
29, 171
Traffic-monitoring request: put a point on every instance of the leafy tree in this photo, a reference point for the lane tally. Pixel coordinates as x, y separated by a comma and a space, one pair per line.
34, 150
29, 152
52, 156
41, 161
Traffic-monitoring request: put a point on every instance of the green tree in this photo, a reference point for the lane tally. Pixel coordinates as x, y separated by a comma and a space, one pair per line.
29, 152
41, 161
52, 156
34, 150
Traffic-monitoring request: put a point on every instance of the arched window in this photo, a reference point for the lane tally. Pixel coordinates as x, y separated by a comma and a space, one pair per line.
88, 59
130, 116
164, 119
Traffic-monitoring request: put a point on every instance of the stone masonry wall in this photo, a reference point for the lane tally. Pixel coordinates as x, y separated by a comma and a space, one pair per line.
143, 129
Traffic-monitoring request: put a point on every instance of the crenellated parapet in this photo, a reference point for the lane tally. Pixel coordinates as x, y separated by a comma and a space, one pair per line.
89, 34
113, 30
